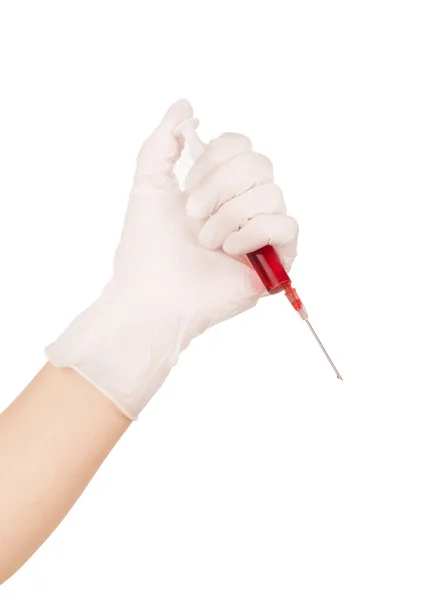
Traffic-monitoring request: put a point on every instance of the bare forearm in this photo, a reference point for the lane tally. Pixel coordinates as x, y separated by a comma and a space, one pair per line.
53, 438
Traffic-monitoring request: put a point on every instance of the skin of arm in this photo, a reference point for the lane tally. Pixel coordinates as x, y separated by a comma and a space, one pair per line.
53, 439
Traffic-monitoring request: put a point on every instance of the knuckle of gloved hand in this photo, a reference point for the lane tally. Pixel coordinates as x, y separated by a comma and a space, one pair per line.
265, 166
291, 226
230, 144
255, 167
275, 196
231, 216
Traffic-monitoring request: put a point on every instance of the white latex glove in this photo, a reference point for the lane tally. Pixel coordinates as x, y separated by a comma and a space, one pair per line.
178, 267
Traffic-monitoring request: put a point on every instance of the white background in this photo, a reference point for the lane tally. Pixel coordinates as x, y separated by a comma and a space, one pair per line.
253, 473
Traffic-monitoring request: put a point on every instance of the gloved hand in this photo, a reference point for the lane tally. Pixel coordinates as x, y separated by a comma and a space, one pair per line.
178, 268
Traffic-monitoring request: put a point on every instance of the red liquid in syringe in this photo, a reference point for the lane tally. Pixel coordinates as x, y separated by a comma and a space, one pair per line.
273, 275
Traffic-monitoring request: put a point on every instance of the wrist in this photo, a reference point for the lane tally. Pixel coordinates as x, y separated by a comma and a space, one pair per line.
125, 351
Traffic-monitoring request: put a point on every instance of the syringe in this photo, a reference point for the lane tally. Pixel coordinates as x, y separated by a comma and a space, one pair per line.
265, 261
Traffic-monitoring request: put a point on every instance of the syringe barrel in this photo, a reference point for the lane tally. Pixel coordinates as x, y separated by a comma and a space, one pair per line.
273, 275
269, 269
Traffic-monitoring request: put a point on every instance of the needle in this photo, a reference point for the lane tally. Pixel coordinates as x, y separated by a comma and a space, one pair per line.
323, 348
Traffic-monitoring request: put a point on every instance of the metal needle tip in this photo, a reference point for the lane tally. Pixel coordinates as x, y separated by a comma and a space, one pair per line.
323, 348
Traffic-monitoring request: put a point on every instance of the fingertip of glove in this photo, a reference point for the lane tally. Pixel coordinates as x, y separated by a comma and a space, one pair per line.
287, 261
206, 240
230, 247
179, 111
